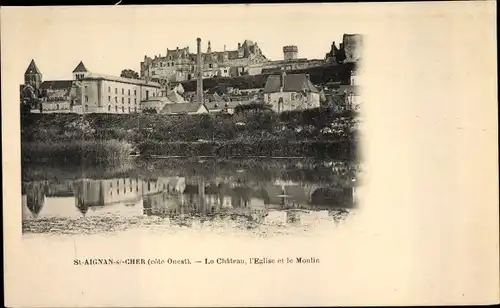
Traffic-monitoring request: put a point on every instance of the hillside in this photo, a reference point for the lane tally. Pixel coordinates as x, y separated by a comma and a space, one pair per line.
316, 132
319, 75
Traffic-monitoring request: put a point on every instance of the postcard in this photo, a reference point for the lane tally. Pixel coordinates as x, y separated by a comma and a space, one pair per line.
250, 155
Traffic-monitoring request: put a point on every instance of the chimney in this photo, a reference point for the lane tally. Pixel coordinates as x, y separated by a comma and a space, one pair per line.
224, 47
199, 81
239, 45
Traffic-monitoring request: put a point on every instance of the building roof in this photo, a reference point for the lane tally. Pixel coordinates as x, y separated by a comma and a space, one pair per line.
292, 83
56, 84
181, 108
175, 97
80, 68
233, 54
32, 68
121, 79
155, 103
178, 53
223, 105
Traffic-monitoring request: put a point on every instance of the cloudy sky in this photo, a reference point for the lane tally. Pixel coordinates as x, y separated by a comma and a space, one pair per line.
109, 39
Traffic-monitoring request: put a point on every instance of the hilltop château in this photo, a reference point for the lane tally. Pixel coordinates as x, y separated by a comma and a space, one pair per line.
180, 65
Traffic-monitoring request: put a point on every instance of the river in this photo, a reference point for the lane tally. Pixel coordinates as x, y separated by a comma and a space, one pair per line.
172, 194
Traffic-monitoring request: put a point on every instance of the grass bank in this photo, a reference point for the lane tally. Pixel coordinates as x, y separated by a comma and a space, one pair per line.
105, 138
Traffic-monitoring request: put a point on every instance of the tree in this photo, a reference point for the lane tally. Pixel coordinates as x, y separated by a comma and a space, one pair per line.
128, 73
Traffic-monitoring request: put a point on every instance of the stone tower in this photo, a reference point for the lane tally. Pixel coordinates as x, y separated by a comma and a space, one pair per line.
33, 76
353, 45
290, 52
80, 71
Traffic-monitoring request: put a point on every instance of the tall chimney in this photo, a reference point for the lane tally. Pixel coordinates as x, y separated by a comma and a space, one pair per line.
199, 77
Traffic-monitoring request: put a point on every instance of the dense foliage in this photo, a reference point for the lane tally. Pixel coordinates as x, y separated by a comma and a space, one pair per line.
319, 75
254, 131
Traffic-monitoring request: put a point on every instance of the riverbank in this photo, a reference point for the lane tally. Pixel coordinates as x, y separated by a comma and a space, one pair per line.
110, 138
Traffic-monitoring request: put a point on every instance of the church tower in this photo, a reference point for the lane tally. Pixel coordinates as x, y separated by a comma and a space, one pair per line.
33, 76
80, 71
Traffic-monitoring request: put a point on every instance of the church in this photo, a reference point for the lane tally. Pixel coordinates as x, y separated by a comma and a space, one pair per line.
85, 93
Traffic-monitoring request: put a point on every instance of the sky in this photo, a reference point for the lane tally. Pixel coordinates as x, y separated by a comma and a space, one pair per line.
109, 39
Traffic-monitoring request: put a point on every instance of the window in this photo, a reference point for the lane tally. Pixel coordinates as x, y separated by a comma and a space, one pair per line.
168, 64
86, 107
153, 73
135, 92
153, 94
57, 106
135, 100
123, 109
109, 89
147, 94
123, 100
210, 65
123, 91
116, 108
86, 98
128, 109
128, 91
172, 64
116, 90
129, 100
225, 71
109, 98
116, 99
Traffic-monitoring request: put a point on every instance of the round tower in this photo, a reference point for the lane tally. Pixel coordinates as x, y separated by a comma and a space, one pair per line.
290, 52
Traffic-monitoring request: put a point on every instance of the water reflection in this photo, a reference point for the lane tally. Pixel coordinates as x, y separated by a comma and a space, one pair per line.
232, 192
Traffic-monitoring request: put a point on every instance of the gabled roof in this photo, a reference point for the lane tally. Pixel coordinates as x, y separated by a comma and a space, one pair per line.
56, 84
80, 68
292, 83
273, 84
181, 108
32, 68
174, 97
